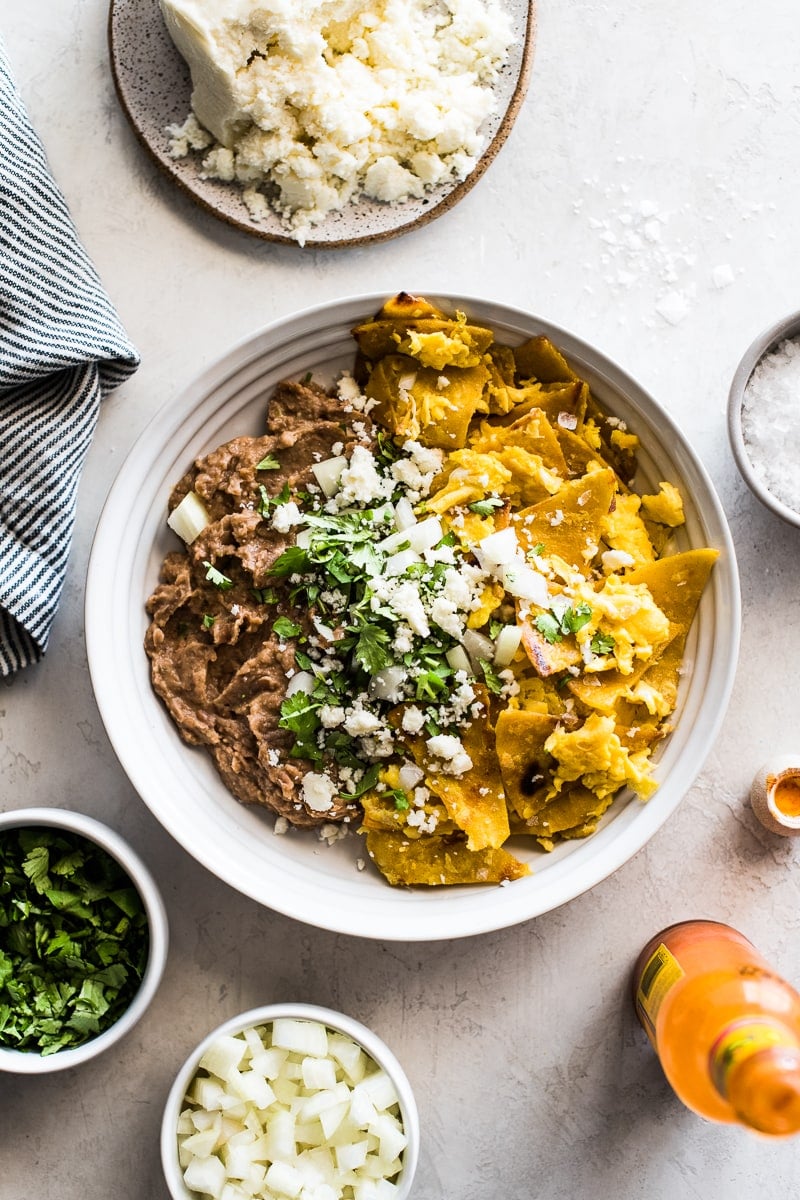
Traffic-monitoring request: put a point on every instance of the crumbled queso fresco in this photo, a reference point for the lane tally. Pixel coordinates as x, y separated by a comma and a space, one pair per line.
399, 610
309, 104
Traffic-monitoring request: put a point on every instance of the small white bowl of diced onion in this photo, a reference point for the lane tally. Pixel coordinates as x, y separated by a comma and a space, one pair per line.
290, 1102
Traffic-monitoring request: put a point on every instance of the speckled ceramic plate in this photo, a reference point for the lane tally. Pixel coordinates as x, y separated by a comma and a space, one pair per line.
154, 88
297, 874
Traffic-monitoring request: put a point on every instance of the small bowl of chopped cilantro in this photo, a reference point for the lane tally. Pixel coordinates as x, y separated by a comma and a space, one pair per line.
83, 939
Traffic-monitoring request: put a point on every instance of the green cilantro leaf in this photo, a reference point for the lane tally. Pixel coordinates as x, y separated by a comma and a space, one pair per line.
372, 648
270, 463
493, 681
293, 561
548, 627
575, 618
284, 628
365, 783
208, 620
602, 643
217, 578
484, 508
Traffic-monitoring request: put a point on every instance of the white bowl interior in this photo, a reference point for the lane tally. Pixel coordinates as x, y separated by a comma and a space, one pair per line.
297, 874
27, 1063
374, 1046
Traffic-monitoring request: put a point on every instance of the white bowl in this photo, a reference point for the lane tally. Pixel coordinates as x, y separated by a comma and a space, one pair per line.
296, 874
29, 1063
369, 1041
770, 339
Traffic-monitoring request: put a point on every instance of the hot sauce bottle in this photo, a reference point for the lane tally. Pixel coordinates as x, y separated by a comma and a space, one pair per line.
725, 1026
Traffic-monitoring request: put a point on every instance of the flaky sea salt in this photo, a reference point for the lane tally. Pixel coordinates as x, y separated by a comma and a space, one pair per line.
771, 421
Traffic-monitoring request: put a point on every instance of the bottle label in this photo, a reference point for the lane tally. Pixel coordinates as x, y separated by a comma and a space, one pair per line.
661, 971
738, 1041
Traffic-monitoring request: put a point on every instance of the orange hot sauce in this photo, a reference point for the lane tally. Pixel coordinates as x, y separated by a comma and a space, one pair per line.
726, 1028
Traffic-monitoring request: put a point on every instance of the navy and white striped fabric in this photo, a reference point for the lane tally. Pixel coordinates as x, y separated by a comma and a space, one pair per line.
62, 348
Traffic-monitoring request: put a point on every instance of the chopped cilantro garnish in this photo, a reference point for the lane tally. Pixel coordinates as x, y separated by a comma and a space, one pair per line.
266, 595
400, 798
484, 508
548, 627
602, 643
575, 618
372, 648
267, 502
536, 551
270, 463
493, 681
554, 627
217, 578
208, 620
73, 940
293, 561
284, 628
367, 781
299, 715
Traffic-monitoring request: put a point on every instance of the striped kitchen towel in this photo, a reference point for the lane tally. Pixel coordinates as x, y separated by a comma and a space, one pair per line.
62, 348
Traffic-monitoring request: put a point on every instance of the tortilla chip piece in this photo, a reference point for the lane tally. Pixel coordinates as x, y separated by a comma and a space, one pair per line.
532, 432
539, 359
434, 862
383, 814
571, 809
549, 658
430, 341
570, 523
412, 404
524, 764
405, 307
578, 454
676, 583
475, 801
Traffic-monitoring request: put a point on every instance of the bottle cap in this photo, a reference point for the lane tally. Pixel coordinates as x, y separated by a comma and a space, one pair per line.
775, 795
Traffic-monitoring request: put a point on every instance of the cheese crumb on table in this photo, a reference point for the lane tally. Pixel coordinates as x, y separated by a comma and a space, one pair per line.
312, 104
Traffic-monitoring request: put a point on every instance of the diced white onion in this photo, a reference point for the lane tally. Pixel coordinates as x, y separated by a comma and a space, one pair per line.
394, 541
425, 534
478, 646
331, 1125
404, 514
506, 645
189, 518
398, 564
458, 659
328, 473
303, 681
388, 684
522, 581
497, 548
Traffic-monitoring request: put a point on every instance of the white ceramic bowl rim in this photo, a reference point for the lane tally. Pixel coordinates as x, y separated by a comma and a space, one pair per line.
28, 1062
767, 340
375, 1047
179, 783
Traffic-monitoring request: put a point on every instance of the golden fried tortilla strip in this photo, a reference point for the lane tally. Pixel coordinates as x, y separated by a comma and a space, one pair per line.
539, 359
411, 402
570, 523
573, 807
433, 861
524, 764
475, 801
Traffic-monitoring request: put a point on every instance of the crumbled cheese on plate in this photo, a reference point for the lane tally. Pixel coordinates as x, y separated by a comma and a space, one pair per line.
326, 100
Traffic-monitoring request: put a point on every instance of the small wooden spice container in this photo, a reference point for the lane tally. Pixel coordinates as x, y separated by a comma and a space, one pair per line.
775, 795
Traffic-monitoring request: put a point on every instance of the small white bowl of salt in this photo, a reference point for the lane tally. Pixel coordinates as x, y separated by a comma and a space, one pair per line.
764, 418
